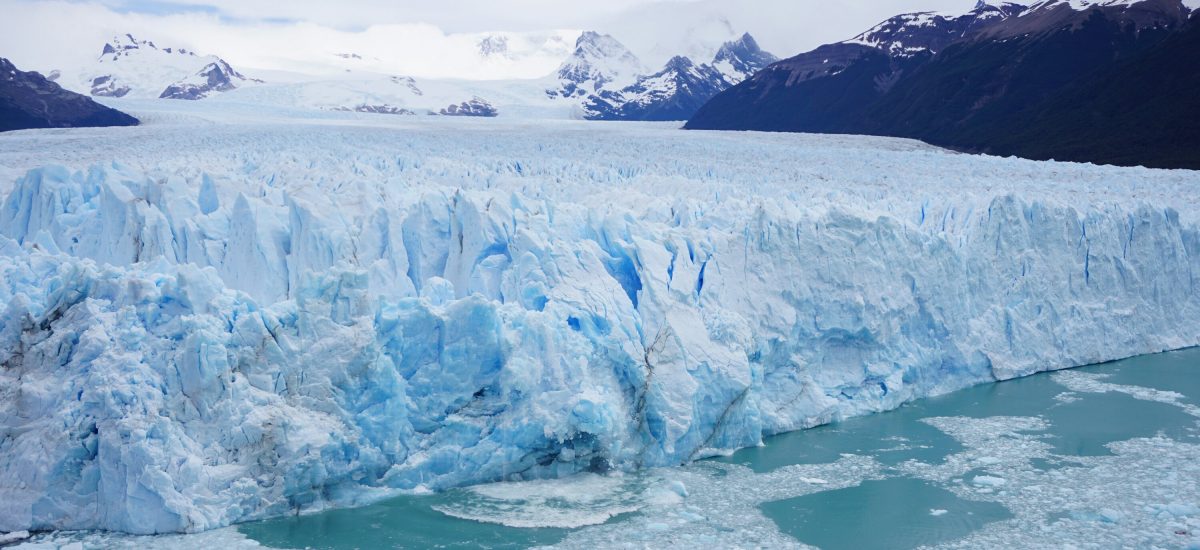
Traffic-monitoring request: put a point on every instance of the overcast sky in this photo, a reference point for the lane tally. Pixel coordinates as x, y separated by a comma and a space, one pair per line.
426, 38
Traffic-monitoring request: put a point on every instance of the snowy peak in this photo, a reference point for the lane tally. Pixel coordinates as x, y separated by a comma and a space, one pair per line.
1119, 5
493, 46
913, 33
910, 34
128, 66
1080, 5
682, 74
679, 63
1048, 16
215, 77
1002, 7
673, 93
745, 47
682, 86
126, 45
739, 59
598, 60
475, 107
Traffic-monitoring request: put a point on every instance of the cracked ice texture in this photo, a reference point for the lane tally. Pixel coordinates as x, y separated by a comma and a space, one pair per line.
254, 320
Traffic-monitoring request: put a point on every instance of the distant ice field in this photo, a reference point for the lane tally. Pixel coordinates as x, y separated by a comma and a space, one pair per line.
886, 174
234, 312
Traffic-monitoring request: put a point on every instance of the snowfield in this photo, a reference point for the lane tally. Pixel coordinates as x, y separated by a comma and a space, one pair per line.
230, 314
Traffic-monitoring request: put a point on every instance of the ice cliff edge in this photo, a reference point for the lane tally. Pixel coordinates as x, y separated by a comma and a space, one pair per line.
174, 360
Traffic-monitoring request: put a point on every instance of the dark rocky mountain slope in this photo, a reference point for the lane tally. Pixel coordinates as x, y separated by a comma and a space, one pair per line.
1106, 83
29, 100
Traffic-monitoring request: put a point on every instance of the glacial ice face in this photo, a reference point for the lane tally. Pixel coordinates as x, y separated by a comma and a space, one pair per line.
328, 321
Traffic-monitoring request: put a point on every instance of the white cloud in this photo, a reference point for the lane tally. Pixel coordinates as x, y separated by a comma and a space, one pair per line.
451, 15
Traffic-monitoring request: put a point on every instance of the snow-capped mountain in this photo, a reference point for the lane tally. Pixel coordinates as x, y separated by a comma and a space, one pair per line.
476, 106
682, 86
739, 59
29, 100
912, 33
674, 93
215, 77
1053, 80
600, 79
599, 61
493, 46
129, 67
1048, 16
894, 46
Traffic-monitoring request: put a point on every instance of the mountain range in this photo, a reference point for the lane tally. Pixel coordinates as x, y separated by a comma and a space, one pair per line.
1106, 81
681, 87
598, 79
139, 68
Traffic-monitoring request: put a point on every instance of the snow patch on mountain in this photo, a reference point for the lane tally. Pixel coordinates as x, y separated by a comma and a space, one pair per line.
1080, 5
909, 34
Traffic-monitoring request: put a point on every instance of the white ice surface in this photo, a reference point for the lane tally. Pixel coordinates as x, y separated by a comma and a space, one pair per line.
228, 314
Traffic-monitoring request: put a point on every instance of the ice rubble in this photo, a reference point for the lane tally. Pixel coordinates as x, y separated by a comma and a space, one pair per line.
204, 335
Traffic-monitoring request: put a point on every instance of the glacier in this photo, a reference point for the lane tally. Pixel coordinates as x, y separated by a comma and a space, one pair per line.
215, 318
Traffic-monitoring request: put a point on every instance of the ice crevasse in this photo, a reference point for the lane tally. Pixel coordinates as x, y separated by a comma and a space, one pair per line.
176, 355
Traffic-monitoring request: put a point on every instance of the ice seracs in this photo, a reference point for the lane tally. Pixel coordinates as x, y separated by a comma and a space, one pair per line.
263, 319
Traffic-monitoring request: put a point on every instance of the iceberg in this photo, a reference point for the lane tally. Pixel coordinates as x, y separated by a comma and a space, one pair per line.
199, 335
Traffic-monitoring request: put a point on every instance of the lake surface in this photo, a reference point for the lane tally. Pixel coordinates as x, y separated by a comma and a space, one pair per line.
956, 469
1107, 455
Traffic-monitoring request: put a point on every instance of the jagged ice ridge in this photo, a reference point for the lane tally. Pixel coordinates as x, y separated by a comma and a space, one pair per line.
253, 320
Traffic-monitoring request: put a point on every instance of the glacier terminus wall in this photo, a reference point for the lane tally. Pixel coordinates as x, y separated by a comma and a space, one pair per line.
212, 323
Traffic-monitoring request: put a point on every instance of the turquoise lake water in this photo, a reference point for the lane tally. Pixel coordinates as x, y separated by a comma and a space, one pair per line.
1003, 460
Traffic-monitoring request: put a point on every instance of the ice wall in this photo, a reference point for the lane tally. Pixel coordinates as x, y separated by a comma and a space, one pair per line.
179, 353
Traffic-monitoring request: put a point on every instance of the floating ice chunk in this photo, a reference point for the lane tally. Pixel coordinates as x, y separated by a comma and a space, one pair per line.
13, 537
587, 499
678, 488
989, 481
